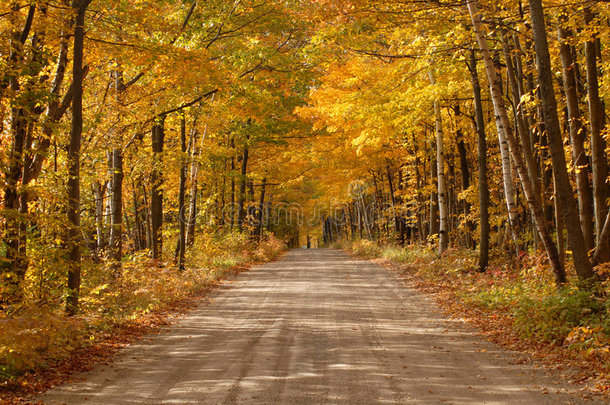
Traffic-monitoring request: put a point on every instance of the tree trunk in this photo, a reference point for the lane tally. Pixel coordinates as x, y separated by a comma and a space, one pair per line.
434, 224
15, 265
261, 207
443, 231
503, 125
98, 194
400, 235
241, 209
232, 184
465, 175
140, 238
181, 197
192, 220
116, 212
147, 217
482, 160
156, 197
581, 164
520, 119
566, 200
598, 155
74, 238
507, 177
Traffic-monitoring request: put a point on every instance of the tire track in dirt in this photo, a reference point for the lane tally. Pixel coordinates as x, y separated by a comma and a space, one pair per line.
316, 327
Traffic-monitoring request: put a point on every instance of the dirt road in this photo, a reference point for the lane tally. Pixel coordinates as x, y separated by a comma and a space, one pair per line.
316, 327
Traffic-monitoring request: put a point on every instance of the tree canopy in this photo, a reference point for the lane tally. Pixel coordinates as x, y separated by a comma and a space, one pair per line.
138, 127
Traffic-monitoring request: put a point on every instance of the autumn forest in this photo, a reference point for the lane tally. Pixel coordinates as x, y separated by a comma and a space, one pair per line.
149, 147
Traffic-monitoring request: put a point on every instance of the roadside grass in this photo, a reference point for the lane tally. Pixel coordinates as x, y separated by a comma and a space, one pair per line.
517, 295
38, 334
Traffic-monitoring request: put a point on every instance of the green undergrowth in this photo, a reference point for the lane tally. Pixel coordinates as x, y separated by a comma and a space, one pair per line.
522, 290
37, 333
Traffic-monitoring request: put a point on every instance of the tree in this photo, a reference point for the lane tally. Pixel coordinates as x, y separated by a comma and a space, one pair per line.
565, 196
443, 236
74, 220
503, 126
482, 161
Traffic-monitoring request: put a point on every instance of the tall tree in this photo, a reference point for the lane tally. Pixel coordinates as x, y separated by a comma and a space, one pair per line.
482, 161
565, 196
443, 232
156, 197
182, 194
599, 159
582, 168
74, 232
503, 126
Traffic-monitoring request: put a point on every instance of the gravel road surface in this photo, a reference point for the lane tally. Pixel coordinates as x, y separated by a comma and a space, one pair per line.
316, 327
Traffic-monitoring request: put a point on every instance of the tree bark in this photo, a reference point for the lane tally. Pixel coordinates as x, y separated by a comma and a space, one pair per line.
116, 212
565, 196
74, 237
434, 223
582, 168
443, 231
241, 209
261, 211
192, 220
482, 161
520, 120
598, 155
16, 265
156, 197
181, 197
464, 174
98, 194
232, 223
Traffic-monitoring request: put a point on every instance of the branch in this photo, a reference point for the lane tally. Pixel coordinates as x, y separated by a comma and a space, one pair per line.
221, 35
247, 72
103, 41
28, 25
134, 80
184, 23
182, 28
381, 55
190, 103
181, 107
604, 236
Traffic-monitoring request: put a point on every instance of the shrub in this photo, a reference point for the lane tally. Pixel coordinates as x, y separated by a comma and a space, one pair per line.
366, 248
552, 317
34, 336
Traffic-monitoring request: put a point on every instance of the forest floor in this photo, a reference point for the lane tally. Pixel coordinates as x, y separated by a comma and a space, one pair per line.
318, 326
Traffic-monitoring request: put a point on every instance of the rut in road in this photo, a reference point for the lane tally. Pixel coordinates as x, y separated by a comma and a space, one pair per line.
316, 327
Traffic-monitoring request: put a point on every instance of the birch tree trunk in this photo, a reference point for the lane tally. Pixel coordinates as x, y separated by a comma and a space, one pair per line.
443, 231
192, 220
434, 224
